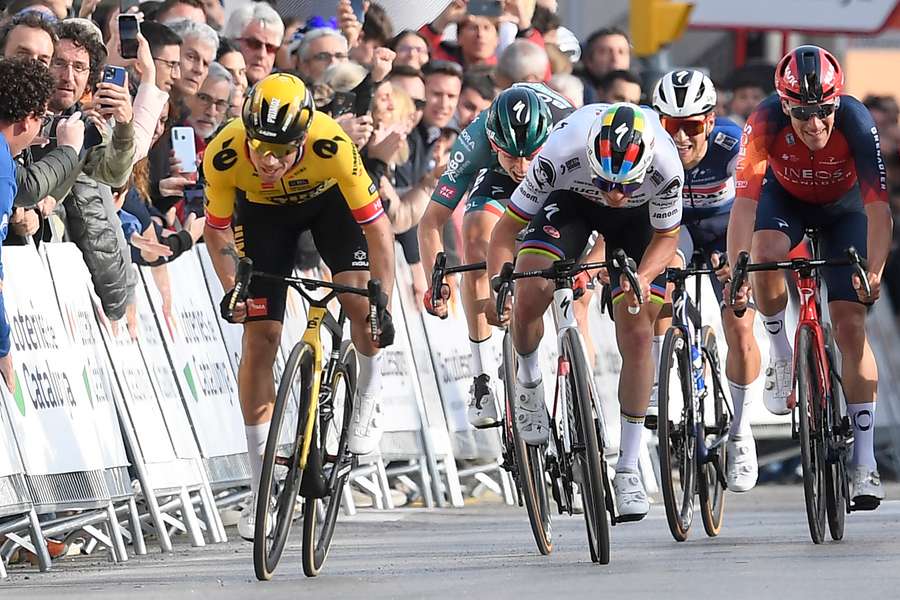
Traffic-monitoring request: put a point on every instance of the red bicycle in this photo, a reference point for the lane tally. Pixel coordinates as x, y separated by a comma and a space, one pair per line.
818, 419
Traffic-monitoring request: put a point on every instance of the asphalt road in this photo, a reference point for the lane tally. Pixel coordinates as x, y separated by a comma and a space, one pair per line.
486, 551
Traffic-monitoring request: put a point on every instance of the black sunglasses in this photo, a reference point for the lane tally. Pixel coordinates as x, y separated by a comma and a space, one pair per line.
419, 103
805, 113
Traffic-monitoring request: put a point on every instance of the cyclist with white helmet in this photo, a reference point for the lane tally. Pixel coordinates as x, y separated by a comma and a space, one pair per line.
612, 169
708, 148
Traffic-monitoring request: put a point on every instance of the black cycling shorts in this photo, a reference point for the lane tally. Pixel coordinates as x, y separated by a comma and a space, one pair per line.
269, 235
841, 224
563, 226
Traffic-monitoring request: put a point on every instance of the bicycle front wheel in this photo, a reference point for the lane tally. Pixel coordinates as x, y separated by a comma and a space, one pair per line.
675, 430
586, 449
529, 460
330, 441
281, 472
836, 473
714, 423
810, 402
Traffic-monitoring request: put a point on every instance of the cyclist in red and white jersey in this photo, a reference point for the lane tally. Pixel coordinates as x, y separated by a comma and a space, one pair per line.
810, 157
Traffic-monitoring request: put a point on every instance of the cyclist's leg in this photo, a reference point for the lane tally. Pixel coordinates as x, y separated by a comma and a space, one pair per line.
560, 230
859, 372
347, 257
260, 233
630, 230
484, 208
780, 226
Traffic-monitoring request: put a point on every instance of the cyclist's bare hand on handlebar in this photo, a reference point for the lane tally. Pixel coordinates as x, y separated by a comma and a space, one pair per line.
720, 265
874, 284
437, 306
741, 299
630, 297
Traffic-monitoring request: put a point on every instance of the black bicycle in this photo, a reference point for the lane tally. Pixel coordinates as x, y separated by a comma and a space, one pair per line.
577, 430
307, 449
694, 413
525, 463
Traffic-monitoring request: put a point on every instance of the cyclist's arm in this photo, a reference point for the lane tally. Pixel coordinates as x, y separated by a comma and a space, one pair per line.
220, 194
665, 218
430, 229
751, 168
862, 137
380, 239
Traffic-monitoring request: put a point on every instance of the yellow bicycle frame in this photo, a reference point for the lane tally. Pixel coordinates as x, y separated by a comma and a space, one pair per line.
311, 336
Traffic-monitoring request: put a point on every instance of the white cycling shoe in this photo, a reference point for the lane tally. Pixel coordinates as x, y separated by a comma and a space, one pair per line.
742, 469
866, 490
631, 499
482, 410
779, 383
366, 427
247, 522
532, 420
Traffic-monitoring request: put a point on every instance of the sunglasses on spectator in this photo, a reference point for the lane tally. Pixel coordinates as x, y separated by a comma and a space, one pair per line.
690, 127
329, 56
411, 50
627, 188
805, 113
255, 44
276, 150
419, 103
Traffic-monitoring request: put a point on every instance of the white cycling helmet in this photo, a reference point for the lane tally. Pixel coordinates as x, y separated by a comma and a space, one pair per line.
684, 93
620, 146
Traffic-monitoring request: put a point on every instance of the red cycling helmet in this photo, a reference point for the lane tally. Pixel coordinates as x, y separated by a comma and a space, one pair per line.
809, 75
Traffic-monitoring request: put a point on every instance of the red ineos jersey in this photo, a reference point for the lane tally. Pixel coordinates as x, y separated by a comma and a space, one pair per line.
852, 154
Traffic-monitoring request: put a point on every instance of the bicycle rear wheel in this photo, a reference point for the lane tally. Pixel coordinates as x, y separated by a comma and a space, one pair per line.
711, 473
330, 441
281, 472
677, 441
836, 471
812, 420
586, 450
529, 460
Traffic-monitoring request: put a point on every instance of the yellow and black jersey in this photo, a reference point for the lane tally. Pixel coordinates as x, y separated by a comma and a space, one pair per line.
328, 158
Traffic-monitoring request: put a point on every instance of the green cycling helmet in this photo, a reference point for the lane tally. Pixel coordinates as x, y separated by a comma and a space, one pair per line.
518, 122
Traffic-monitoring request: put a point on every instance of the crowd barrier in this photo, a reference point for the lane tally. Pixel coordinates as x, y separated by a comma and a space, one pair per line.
119, 439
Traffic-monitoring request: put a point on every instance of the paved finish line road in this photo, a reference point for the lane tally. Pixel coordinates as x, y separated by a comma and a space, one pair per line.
486, 551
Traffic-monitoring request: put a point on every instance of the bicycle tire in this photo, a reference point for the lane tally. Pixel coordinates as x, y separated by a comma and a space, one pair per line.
529, 460
297, 377
593, 489
320, 514
712, 492
836, 473
812, 451
677, 443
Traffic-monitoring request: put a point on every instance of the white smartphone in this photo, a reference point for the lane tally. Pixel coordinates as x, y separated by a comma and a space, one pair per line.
185, 149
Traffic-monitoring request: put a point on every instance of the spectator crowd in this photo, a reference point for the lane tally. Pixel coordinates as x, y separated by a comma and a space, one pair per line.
92, 159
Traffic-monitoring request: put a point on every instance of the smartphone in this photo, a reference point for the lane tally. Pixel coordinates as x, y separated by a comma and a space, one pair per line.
92, 136
363, 101
357, 6
114, 74
128, 32
485, 8
193, 199
185, 149
342, 103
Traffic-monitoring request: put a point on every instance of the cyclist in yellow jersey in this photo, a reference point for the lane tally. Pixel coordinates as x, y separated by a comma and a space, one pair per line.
279, 170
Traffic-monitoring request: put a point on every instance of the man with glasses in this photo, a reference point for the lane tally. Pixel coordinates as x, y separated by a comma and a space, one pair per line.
612, 169
272, 175
708, 148
811, 157
258, 30
318, 50
208, 107
165, 47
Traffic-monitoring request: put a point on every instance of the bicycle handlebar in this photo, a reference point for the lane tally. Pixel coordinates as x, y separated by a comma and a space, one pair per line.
744, 267
628, 267
441, 270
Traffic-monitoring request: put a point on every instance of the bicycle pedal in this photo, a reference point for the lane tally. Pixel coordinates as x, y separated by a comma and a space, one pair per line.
493, 425
864, 503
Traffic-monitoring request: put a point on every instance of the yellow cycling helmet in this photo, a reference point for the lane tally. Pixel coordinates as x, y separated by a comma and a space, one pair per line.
278, 109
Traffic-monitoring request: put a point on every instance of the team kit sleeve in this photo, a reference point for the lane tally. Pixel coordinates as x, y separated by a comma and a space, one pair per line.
666, 202
470, 152
356, 186
861, 133
219, 163
753, 157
